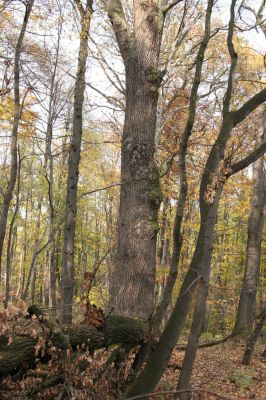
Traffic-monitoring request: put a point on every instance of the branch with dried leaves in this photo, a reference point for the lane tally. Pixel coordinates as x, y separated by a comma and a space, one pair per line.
176, 392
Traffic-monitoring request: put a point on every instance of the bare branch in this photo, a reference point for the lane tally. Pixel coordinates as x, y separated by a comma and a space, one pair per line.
245, 162
233, 56
158, 394
167, 8
99, 190
118, 20
80, 8
250, 105
82, 11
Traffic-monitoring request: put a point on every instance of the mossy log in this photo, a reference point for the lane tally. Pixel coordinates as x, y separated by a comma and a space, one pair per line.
21, 351
12, 356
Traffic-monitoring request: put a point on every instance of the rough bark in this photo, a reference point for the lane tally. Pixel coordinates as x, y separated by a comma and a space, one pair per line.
133, 284
67, 283
247, 303
16, 118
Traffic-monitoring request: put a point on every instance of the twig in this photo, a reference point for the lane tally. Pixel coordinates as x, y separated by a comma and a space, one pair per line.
208, 344
176, 392
99, 189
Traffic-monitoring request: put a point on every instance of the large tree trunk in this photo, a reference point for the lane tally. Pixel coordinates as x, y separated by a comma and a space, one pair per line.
133, 282
73, 166
17, 113
247, 303
134, 277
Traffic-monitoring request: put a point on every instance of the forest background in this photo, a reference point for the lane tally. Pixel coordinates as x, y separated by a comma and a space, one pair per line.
68, 210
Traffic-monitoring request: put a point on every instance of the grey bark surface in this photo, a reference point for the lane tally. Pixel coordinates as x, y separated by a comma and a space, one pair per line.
14, 135
10, 249
247, 303
67, 281
52, 116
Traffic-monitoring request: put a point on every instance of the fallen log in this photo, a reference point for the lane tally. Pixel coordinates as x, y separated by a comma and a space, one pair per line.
20, 351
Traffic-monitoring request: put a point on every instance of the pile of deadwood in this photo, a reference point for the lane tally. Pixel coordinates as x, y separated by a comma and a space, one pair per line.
32, 337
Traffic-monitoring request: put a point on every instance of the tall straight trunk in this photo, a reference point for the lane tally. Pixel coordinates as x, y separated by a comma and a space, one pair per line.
52, 263
9, 242
16, 117
247, 303
133, 283
24, 244
36, 251
73, 166
52, 116
134, 277
50, 179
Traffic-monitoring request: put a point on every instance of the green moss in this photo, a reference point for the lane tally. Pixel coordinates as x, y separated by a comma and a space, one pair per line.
153, 75
155, 194
155, 226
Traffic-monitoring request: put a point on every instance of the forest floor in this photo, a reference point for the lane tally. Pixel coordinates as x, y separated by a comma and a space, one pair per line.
217, 370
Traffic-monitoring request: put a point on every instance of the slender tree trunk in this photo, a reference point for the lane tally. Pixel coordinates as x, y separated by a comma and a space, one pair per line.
73, 167
247, 303
253, 338
36, 251
177, 233
195, 332
52, 116
24, 248
163, 250
10, 235
50, 179
17, 113
32, 286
